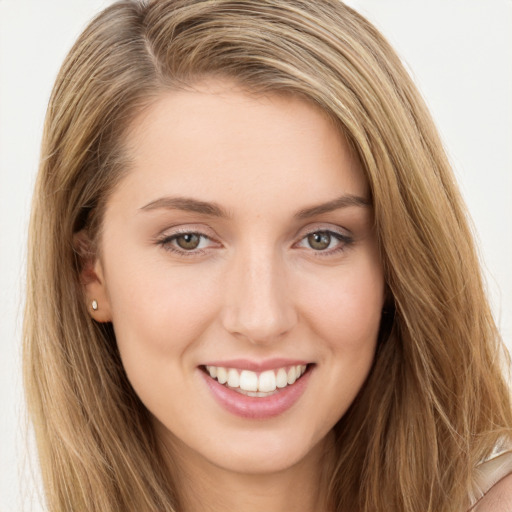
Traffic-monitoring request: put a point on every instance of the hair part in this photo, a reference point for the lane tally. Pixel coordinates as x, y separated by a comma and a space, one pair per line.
436, 385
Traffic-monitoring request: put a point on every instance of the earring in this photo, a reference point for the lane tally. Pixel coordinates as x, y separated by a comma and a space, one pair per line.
94, 305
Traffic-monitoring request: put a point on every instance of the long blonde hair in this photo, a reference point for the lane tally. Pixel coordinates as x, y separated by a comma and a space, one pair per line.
435, 402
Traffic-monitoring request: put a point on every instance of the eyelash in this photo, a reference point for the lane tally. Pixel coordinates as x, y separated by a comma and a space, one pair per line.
345, 242
166, 243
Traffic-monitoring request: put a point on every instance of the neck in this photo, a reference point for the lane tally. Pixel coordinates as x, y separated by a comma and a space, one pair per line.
204, 487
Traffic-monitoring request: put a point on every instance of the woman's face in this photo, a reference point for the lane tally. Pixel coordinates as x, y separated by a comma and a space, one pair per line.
240, 243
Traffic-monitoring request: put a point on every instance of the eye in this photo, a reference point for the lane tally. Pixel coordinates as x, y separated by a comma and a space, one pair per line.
319, 241
186, 243
325, 241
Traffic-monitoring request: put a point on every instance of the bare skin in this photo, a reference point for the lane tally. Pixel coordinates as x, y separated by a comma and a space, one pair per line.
242, 232
498, 498
303, 489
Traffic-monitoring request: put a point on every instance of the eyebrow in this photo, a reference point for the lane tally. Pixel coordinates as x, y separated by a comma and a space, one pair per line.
212, 209
187, 204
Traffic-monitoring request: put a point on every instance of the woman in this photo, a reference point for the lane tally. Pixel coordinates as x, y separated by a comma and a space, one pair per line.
263, 291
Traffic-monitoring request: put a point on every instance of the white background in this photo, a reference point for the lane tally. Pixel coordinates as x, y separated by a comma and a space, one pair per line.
459, 52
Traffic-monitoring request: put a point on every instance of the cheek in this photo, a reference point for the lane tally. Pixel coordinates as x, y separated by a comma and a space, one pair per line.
342, 311
156, 308
160, 316
346, 307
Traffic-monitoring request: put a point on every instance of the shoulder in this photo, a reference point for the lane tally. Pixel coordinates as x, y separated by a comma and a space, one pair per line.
498, 498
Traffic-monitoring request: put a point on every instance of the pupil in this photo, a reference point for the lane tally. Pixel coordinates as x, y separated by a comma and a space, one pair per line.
188, 241
319, 241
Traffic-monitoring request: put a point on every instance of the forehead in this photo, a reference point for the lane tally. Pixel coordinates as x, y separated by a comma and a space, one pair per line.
221, 143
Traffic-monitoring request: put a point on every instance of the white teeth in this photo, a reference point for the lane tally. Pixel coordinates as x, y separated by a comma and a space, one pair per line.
222, 375
233, 378
281, 378
252, 384
248, 381
267, 381
258, 394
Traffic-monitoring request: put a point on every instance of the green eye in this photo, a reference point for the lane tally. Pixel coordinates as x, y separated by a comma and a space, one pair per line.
188, 241
319, 240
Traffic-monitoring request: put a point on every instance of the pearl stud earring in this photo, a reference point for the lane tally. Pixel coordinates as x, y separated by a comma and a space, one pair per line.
94, 305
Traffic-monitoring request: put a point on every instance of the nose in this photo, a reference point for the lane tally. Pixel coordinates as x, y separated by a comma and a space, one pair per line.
258, 305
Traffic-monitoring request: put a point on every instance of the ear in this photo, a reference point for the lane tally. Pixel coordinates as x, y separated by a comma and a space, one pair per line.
92, 278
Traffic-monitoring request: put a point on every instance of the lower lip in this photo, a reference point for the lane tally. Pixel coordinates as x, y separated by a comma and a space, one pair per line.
257, 407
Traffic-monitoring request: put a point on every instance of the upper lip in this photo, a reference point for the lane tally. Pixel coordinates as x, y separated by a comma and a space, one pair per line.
257, 366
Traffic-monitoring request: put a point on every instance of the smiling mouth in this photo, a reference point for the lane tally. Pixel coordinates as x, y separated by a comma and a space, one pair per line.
256, 384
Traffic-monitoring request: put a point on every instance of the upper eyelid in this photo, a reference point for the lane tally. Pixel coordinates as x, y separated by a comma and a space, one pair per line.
168, 243
167, 238
323, 227
171, 231
342, 238
207, 232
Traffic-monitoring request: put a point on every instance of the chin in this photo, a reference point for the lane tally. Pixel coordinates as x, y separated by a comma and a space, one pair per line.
267, 453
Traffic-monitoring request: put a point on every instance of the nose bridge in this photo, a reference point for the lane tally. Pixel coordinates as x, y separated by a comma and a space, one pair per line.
258, 305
